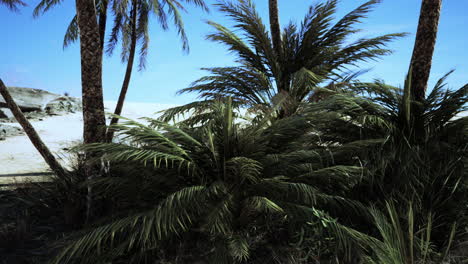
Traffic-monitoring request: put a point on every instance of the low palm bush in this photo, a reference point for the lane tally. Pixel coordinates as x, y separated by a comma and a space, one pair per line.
234, 186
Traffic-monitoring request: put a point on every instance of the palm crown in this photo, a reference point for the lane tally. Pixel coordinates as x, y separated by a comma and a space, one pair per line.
123, 22
313, 52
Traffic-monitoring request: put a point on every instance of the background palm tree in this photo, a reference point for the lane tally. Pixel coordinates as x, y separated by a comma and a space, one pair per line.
134, 27
311, 53
372, 126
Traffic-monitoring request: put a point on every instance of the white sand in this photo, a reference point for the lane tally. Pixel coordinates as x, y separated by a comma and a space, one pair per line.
18, 155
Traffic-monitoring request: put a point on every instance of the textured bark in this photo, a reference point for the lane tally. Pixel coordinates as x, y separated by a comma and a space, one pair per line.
424, 47
32, 134
420, 65
128, 72
102, 22
94, 120
275, 26
91, 72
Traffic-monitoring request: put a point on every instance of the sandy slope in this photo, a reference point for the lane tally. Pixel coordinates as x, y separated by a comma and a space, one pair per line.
18, 155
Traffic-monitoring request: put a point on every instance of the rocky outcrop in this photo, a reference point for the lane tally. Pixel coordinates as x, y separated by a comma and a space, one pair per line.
9, 131
29, 99
63, 105
36, 104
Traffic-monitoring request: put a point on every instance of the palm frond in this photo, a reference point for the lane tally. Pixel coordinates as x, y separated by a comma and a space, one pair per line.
72, 33
13, 4
44, 6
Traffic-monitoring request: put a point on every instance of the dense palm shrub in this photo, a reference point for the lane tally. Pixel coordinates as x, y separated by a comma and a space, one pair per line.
373, 124
237, 187
347, 177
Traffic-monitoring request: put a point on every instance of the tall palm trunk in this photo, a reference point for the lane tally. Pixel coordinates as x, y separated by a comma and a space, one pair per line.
102, 22
32, 134
421, 61
424, 47
282, 79
128, 72
91, 51
91, 72
275, 26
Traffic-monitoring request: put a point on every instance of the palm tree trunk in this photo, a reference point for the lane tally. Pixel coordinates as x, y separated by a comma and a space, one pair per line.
275, 26
275, 30
421, 62
94, 120
91, 72
102, 22
128, 72
424, 47
32, 134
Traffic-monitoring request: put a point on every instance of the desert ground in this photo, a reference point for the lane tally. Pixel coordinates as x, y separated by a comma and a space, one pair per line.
19, 160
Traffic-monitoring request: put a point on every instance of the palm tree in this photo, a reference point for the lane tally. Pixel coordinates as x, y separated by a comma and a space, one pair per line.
13, 4
311, 53
91, 72
229, 176
85, 27
94, 119
372, 126
130, 26
134, 28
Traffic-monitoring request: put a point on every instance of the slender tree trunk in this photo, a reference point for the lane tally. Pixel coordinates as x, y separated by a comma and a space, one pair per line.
128, 72
102, 22
424, 47
32, 134
94, 120
275, 26
275, 30
421, 61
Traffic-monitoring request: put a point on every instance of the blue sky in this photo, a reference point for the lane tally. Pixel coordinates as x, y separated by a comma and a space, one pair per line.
32, 54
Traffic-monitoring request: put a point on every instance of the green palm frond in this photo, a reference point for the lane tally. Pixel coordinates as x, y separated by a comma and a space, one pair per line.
235, 182
13, 4
44, 6
72, 33
173, 216
313, 52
